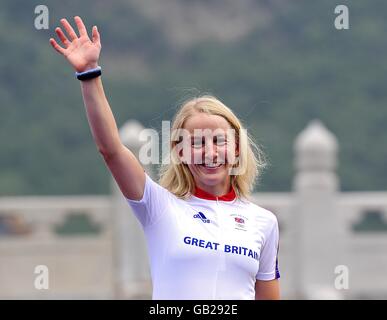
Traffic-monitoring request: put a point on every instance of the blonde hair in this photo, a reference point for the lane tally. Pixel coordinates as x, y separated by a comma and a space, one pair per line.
176, 176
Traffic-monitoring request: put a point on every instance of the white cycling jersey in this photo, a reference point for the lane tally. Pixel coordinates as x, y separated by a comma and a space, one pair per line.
206, 247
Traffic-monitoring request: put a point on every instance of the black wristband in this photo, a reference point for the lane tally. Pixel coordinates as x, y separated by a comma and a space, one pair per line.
89, 74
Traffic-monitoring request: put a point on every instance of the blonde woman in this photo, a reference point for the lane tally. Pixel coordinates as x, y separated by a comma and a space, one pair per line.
206, 239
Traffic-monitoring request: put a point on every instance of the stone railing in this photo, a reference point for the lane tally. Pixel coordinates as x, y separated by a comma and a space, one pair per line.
94, 247
72, 236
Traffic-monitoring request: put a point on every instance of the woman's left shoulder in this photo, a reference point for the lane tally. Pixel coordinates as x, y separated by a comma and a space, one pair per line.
261, 212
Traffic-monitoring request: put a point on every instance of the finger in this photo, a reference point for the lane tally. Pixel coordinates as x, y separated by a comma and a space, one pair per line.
62, 37
95, 33
69, 29
56, 46
81, 26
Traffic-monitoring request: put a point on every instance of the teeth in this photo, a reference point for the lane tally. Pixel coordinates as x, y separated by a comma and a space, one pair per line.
212, 166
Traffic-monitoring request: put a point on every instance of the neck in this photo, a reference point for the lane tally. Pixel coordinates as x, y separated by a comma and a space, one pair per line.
216, 190
229, 196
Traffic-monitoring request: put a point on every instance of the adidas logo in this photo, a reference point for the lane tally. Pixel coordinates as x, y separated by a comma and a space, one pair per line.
202, 217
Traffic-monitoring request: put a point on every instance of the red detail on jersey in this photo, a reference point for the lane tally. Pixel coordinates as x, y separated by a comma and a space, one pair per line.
200, 193
239, 220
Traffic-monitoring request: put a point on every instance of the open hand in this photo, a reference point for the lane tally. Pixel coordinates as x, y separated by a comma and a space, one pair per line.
81, 52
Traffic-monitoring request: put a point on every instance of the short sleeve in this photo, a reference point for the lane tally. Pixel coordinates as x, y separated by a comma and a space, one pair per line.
268, 262
153, 204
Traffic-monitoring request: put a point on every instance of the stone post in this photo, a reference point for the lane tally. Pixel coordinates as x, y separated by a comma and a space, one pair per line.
132, 274
317, 237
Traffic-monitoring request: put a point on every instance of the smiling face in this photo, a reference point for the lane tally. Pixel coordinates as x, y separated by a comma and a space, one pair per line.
212, 151
180, 173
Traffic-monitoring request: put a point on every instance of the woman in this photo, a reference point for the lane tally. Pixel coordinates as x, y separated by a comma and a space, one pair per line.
206, 240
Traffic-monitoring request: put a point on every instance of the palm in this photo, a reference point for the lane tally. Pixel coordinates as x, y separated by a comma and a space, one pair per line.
81, 52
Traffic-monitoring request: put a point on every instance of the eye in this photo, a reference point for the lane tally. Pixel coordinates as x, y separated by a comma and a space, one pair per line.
220, 140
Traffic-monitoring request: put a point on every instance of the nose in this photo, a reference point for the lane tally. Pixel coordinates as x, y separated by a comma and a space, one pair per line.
210, 152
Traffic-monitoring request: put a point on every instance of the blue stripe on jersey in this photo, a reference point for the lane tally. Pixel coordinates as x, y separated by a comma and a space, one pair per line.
277, 273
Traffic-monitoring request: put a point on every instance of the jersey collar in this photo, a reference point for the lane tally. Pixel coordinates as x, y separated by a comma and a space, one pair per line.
200, 193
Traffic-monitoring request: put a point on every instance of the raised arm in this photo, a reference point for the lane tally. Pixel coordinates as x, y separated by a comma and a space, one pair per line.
83, 54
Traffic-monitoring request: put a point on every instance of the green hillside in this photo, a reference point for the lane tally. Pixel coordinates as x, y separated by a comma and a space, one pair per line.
277, 64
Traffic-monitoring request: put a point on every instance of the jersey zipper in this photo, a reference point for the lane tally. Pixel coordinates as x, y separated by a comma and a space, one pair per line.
221, 260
